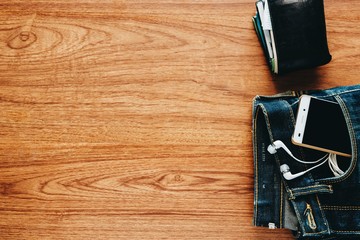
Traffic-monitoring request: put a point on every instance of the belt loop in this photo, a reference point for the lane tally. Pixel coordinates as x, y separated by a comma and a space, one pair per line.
312, 189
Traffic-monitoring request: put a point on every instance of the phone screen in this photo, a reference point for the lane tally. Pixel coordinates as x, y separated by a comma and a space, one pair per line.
326, 127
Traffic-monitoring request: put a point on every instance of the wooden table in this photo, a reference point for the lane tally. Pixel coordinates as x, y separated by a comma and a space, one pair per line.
132, 119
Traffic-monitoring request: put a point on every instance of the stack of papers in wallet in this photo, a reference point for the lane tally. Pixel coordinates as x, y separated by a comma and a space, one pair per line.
263, 27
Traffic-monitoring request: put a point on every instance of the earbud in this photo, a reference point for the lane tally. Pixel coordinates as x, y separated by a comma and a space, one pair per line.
285, 170
272, 148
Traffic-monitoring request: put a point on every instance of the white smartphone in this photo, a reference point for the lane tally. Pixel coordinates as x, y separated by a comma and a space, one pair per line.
321, 125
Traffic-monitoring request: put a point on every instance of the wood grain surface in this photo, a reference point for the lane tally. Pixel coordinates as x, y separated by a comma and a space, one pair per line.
132, 119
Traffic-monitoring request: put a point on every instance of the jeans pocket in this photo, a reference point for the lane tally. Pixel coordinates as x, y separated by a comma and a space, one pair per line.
350, 105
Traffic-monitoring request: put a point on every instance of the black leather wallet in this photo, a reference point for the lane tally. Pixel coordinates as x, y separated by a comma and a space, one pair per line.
292, 34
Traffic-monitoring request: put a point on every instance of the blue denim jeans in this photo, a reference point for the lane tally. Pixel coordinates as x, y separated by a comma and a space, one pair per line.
316, 205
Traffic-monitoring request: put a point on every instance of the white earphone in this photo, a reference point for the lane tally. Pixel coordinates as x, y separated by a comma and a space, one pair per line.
285, 169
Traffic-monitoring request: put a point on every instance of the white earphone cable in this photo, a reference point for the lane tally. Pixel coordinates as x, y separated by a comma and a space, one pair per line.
334, 167
277, 144
331, 158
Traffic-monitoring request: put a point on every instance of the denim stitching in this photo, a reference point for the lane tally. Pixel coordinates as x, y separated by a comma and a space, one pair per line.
256, 169
281, 203
353, 142
301, 223
341, 208
328, 95
264, 112
314, 234
343, 92
297, 194
314, 186
348, 231
268, 125
323, 214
